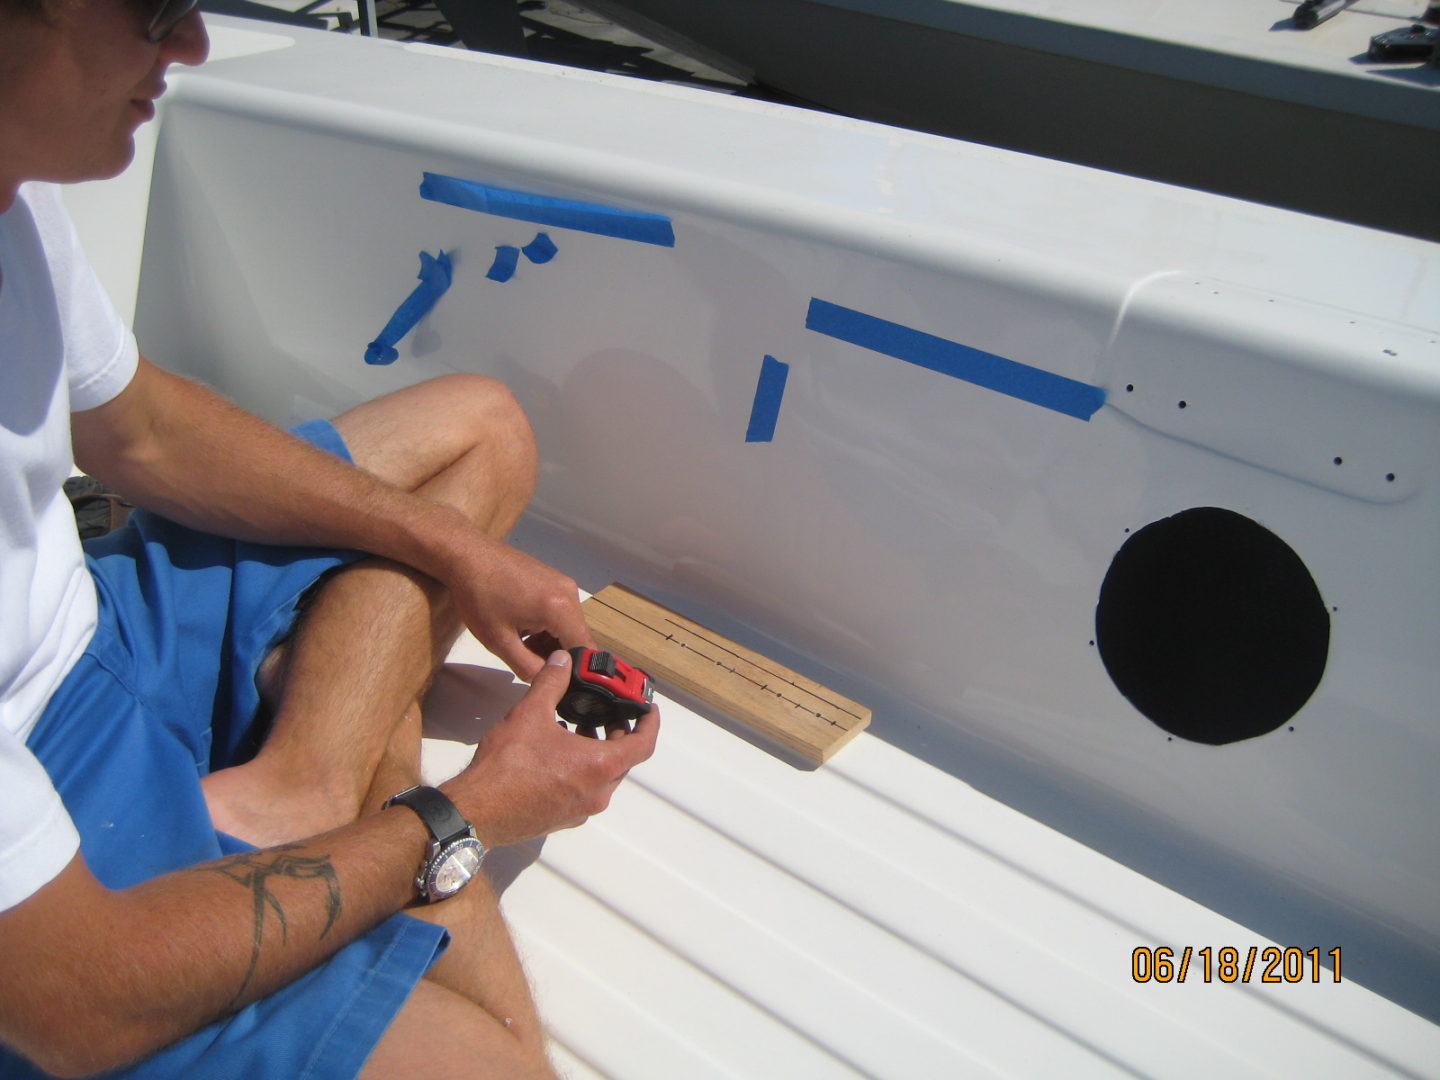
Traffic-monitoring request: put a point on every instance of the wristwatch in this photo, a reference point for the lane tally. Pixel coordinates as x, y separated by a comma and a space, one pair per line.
455, 853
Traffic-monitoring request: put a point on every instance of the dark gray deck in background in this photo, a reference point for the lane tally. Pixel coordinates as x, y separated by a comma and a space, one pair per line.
551, 31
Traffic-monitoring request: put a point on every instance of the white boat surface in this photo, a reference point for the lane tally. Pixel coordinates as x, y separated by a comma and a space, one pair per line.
1222, 95
962, 889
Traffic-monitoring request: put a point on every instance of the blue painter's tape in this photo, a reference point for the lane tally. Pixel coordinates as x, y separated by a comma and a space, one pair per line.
506, 259
435, 274
540, 250
768, 391
546, 210
1032, 384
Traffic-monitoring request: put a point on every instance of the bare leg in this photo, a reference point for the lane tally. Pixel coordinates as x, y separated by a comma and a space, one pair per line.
441, 1035
346, 733
376, 632
346, 730
480, 968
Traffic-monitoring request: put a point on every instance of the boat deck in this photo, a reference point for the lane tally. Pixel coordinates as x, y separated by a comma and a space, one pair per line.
737, 915
554, 32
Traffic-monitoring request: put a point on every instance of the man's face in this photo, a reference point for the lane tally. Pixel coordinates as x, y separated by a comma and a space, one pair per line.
74, 89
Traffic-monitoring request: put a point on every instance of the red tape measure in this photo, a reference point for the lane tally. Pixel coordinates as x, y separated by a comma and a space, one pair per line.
604, 690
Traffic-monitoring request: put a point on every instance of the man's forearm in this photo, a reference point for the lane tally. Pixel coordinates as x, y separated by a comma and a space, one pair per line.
179, 449
150, 964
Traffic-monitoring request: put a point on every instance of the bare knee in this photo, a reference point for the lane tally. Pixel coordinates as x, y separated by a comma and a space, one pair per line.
412, 435
455, 1039
478, 412
487, 405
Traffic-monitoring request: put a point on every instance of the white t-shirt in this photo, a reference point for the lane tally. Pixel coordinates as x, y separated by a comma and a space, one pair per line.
62, 348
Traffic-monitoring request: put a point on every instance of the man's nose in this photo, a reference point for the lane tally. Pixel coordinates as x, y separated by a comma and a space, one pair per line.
188, 43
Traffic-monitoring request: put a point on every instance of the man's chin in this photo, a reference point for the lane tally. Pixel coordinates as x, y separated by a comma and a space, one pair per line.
109, 166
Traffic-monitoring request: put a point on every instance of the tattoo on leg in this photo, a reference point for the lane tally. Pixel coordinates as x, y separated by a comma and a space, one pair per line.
255, 870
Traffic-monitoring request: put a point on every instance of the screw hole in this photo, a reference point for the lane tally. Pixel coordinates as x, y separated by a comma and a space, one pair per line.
1390, 478
1184, 405
1129, 388
1339, 461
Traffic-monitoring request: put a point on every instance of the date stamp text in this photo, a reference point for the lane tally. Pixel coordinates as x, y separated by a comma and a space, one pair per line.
1228, 964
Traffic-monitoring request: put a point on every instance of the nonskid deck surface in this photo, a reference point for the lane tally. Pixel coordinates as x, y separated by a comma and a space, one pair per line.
734, 914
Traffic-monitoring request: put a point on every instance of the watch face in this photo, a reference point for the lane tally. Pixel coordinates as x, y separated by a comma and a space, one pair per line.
457, 864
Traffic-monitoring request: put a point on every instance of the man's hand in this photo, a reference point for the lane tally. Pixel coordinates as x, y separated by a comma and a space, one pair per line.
532, 776
509, 596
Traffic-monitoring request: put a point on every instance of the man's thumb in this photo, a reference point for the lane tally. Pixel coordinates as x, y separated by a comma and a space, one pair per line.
553, 679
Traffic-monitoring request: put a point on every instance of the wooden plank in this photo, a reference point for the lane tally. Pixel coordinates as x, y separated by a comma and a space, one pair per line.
780, 704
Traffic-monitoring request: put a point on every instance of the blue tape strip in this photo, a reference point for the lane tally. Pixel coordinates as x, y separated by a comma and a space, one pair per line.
769, 389
506, 259
540, 250
1032, 384
435, 274
545, 210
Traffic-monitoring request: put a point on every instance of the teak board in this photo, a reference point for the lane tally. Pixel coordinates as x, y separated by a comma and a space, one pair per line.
780, 704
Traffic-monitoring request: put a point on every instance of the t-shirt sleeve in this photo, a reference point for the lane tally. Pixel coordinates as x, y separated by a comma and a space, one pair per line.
37, 845
101, 355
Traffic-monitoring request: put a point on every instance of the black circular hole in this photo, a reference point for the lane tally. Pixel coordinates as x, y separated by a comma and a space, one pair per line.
1339, 461
1129, 388
1184, 404
1390, 478
1212, 626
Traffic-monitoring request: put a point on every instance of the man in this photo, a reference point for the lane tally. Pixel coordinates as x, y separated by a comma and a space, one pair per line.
135, 934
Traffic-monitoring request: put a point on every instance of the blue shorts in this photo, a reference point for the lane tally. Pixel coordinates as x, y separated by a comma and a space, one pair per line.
164, 694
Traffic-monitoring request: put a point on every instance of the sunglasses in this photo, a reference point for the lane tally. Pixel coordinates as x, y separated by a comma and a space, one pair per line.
167, 17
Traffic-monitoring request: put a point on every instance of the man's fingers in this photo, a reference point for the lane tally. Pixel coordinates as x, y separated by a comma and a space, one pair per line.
519, 659
551, 681
639, 744
543, 643
572, 630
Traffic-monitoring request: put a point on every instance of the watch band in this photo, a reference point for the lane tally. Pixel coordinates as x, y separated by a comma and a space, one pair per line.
455, 853
439, 814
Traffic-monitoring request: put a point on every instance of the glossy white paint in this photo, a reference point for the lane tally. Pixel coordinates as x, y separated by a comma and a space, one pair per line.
929, 547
